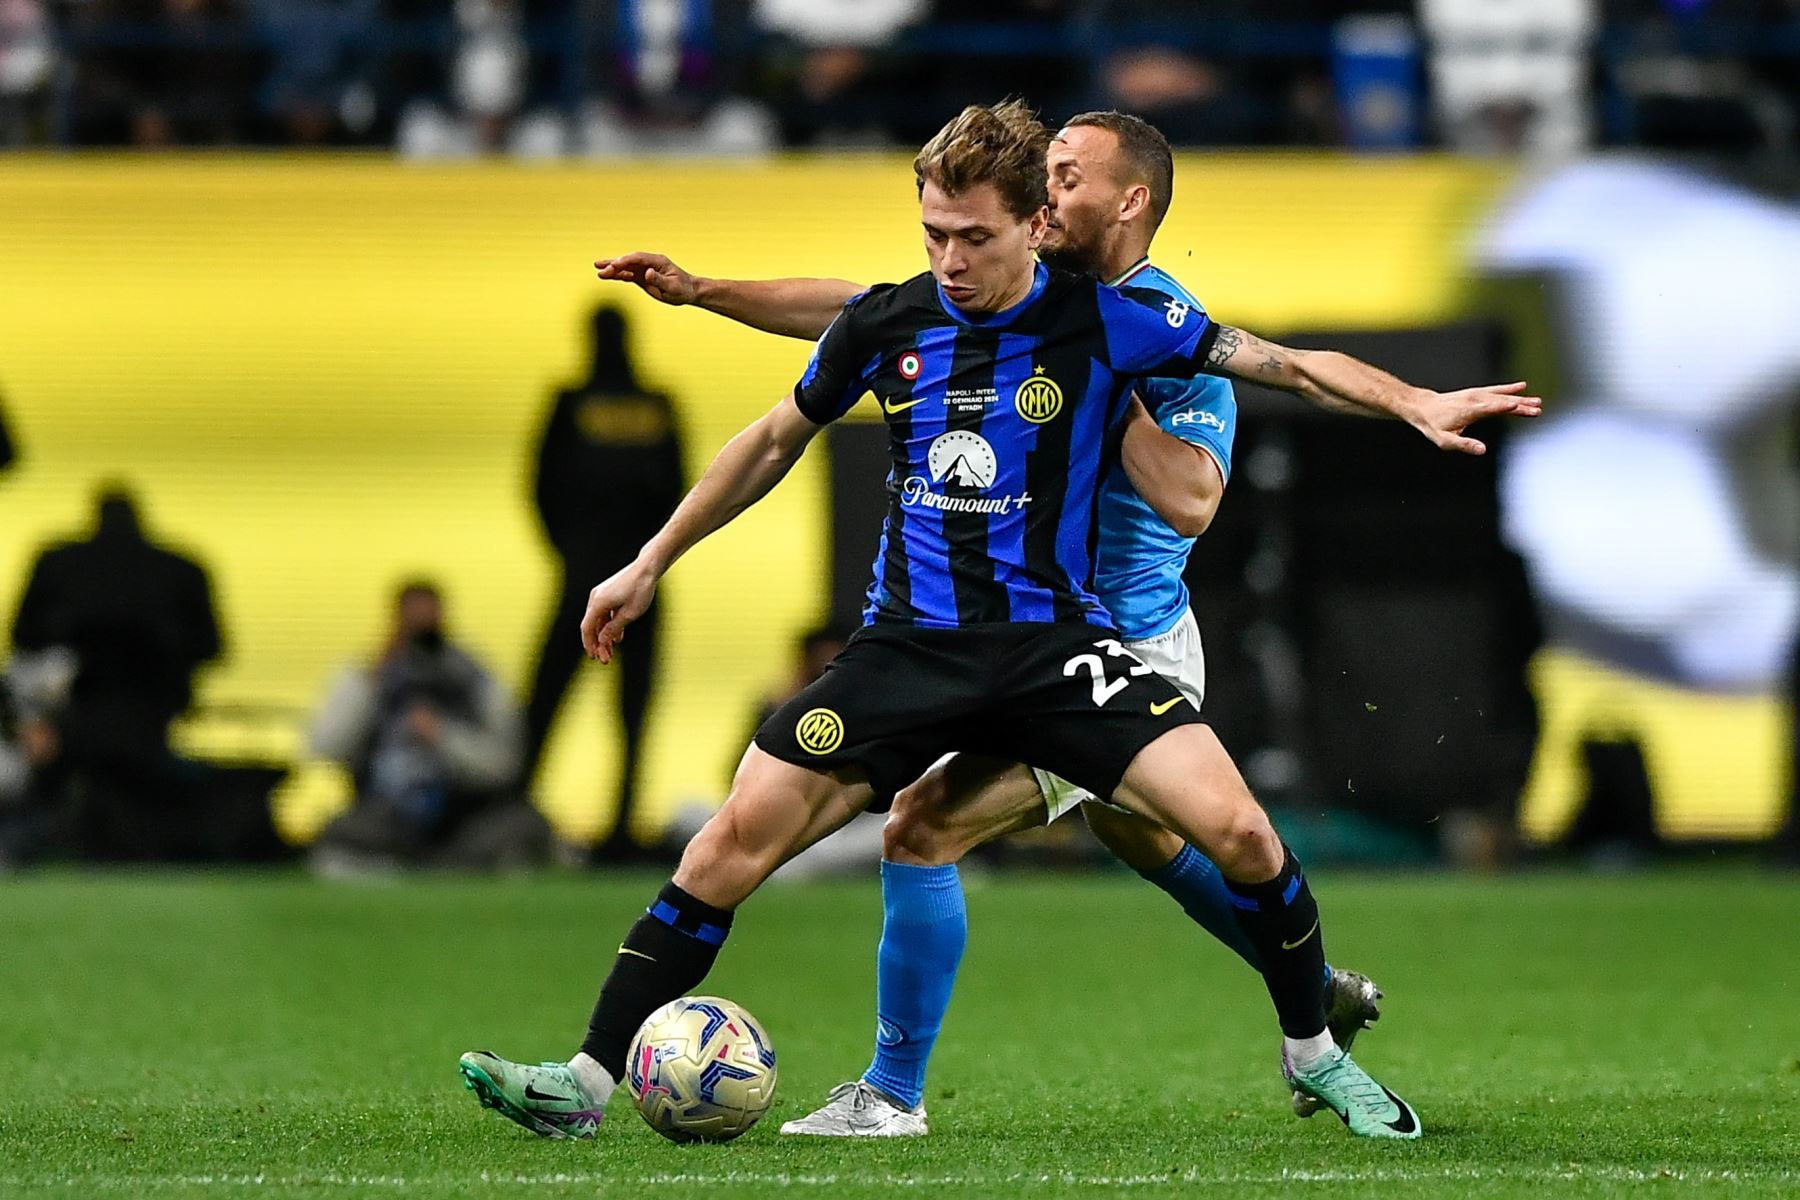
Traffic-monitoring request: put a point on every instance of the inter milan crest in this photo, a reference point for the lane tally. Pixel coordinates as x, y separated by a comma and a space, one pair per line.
819, 731
1039, 398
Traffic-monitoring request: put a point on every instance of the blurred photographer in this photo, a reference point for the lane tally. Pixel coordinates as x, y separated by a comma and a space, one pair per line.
432, 742
34, 694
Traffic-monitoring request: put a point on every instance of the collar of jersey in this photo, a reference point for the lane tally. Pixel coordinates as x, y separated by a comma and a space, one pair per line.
1132, 272
1040, 276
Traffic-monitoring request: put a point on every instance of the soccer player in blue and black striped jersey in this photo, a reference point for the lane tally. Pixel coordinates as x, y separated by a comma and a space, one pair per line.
1110, 183
1001, 382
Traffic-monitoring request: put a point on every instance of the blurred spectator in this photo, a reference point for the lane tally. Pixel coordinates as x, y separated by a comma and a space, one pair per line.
832, 82
1171, 62
1676, 99
431, 740
15, 766
164, 72
1378, 83
27, 66
139, 619
415, 60
1511, 76
107, 639
34, 698
489, 77
1193, 101
319, 89
1024, 48
665, 76
626, 77
608, 475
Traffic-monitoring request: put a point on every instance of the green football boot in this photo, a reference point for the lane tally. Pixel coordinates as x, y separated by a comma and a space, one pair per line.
1369, 1109
1352, 1004
546, 1099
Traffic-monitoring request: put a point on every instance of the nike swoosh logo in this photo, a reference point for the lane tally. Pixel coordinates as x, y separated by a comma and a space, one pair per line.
1303, 939
532, 1093
1157, 710
1403, 1123
894, 406
637, 953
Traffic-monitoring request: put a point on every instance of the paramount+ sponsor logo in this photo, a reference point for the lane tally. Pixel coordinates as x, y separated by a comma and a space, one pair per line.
963, 460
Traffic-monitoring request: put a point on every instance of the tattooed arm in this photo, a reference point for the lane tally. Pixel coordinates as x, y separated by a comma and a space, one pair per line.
1338, 383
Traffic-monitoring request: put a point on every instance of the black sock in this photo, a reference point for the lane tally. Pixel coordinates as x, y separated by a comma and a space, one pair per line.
667, 953
1281, 919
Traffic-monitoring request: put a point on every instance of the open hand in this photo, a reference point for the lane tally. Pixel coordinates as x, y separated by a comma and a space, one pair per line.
654, 273
1442, 416
613, 605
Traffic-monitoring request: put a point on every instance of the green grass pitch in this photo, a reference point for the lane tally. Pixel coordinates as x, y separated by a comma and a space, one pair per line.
241, 1036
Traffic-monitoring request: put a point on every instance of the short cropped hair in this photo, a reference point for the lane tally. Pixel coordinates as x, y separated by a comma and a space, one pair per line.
418, 587
1145, 152
1004, 145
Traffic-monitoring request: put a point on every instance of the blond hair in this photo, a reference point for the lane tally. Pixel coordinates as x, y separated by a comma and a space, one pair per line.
1003, 144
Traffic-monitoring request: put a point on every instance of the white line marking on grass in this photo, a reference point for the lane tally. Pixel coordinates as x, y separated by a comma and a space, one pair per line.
1453, 1174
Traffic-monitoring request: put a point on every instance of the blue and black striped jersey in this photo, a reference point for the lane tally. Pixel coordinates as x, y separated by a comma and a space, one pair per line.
998, 427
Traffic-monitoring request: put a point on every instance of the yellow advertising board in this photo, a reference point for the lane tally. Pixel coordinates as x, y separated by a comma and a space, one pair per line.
325, 375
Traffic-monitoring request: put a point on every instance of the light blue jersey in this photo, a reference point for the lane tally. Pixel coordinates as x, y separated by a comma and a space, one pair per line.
1138, 573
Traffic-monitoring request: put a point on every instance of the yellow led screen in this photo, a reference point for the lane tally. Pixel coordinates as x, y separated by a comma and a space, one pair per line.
326, 375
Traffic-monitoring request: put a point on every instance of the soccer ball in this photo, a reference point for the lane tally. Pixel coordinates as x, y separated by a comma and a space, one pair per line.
701, 1070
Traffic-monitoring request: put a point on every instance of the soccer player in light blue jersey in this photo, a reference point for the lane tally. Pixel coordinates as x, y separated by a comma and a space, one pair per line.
1110, 182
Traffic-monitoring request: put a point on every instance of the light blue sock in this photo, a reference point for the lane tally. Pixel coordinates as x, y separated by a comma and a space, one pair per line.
1195, 883
923, 931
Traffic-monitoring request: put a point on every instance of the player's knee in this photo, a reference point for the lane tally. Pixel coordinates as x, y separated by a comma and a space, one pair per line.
916, 832
915, 837
1247, 847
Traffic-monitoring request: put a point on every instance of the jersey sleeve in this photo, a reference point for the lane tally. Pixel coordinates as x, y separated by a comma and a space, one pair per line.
837, 375
1153, 333
1202, 412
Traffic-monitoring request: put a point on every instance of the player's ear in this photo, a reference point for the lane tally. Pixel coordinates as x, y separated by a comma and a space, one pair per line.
1135, 201
1037, 227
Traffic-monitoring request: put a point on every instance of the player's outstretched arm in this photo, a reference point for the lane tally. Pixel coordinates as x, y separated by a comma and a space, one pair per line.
1340, 383
1178, 479
796, 308
742, 473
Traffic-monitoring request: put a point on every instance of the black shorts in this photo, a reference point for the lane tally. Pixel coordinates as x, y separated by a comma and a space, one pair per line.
1066, 698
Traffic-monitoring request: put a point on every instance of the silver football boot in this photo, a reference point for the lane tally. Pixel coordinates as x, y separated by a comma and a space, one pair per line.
858, 1109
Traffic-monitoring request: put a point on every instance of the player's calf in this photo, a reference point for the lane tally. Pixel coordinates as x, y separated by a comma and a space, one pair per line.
1186, 781
1138, 842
